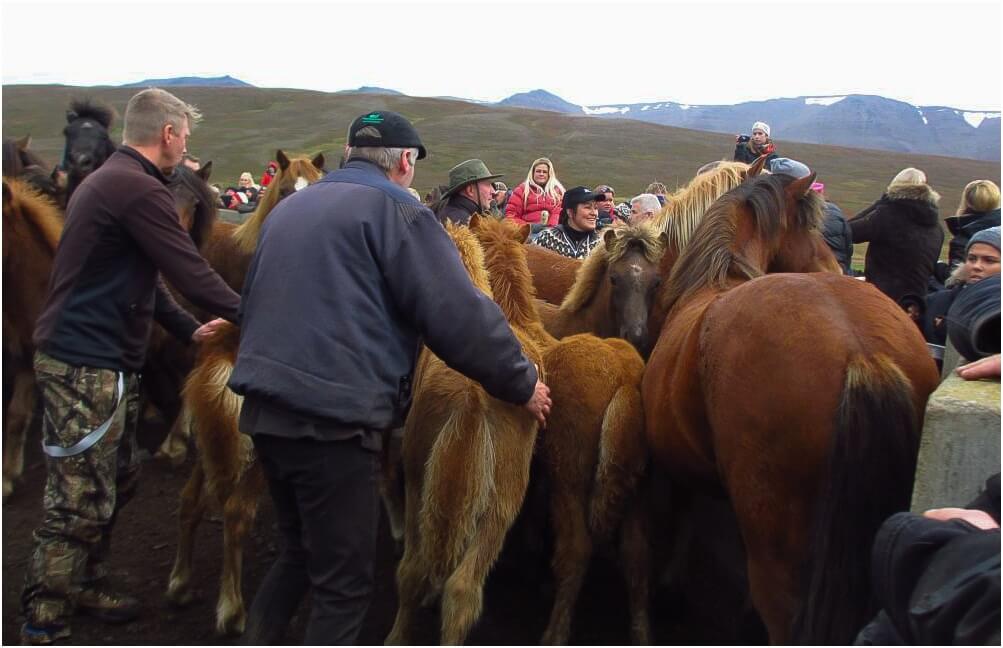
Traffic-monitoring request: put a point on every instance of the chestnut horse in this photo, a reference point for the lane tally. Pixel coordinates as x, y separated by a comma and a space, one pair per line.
32, 225
614, 289
800, 396
592, 455
553, 273
228, 248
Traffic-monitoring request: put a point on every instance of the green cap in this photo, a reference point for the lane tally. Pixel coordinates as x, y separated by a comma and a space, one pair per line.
466, 172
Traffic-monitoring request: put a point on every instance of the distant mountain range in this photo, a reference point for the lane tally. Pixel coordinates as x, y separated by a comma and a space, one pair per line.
861, 121
864, 121
223, 81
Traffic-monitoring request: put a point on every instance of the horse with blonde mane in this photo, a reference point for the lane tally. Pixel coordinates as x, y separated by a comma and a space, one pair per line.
592, 457
808, 420
614, 289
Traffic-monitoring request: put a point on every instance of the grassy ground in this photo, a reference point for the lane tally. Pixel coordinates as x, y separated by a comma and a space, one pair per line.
242, 127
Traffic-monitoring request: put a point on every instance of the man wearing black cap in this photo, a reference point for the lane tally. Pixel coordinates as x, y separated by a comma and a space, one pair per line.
470, 192
575, 236
349, 274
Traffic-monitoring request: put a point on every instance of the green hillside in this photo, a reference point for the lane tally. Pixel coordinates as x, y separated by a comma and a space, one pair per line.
242, 127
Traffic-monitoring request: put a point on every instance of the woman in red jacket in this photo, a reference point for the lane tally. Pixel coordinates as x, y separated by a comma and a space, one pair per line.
537, 201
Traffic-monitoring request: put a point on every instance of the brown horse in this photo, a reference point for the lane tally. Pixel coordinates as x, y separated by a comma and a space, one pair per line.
553, 273
592, 456
800, 396
20, 161
228, 248
613, 289
32, 225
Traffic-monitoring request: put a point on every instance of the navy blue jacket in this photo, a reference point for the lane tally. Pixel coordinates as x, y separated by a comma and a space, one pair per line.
350, 275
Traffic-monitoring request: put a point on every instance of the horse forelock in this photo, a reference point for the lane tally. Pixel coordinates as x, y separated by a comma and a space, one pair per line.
93, 109
686, 208
35, 209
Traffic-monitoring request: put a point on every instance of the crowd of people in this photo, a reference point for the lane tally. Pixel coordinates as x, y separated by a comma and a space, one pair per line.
317, 399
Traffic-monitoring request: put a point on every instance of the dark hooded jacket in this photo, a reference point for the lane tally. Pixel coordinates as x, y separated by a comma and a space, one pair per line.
458, 209
966, 226
837, 235
905, 236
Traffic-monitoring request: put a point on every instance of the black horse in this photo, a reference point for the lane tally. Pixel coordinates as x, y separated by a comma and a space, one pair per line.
88, 143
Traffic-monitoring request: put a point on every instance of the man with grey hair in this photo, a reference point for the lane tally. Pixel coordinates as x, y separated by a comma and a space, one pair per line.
643, 207
121, 232
350, 277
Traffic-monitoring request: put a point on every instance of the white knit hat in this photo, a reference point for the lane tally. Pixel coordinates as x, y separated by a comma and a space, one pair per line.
763, 126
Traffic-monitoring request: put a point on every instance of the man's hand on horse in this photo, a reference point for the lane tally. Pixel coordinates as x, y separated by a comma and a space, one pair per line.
539, 403
207, 329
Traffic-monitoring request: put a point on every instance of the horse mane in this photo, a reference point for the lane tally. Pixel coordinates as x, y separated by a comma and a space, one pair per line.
708, 259
246, 234
471, 254
36, 209
592, 272
13, 165
508, 271
685, 208
206, 210
93, 109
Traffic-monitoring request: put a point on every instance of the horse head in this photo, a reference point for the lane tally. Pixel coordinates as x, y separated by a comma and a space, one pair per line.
194, 200
294, 174
632, 270
88, 142
802, 248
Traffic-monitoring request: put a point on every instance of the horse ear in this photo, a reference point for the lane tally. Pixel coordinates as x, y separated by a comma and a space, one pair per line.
756, 167
800, 188
318, 161
664, 238
608, 237
23, 143
70, 116
525, 231
475, 222
281, 158
205, 171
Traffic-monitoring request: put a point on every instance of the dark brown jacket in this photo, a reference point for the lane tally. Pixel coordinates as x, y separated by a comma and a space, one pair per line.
121, 231
905, 236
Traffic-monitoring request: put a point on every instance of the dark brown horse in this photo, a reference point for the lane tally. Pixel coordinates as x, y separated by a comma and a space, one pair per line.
799, 396
19, 161
88, 140
613, 290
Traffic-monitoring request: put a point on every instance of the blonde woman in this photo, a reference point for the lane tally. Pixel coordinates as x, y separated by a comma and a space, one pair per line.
979, 210
537, 200
905, 236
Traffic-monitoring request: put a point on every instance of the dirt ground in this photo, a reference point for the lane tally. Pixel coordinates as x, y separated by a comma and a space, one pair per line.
517, 598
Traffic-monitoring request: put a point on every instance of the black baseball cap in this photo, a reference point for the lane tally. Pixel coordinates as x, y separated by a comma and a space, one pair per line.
394, 132
576, 196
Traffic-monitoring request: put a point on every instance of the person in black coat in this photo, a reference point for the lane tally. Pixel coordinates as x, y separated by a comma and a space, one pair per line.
979, 210
905, 236
469, 193
836, 231
749, 149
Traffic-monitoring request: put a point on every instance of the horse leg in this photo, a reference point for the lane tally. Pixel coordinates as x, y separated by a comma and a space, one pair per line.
239, 511
463, 592
19, 413
570, 562
174, 448
635, 558
412, 576
190, 512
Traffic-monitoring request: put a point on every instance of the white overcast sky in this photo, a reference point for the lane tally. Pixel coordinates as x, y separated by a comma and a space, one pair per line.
925, 53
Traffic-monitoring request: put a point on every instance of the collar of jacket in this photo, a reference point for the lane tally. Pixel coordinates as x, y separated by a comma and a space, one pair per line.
149, 167
905, 191
465, 204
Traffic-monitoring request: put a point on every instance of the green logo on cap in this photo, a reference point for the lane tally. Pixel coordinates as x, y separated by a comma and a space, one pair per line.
373, 118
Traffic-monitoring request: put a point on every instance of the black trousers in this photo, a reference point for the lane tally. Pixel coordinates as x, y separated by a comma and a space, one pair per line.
327, 506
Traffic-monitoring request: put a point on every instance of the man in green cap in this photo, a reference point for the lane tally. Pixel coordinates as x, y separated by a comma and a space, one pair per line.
470, 192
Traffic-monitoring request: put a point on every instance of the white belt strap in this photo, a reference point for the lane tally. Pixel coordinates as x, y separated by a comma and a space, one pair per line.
93, 436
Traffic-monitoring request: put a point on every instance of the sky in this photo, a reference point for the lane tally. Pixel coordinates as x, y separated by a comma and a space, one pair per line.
589, 53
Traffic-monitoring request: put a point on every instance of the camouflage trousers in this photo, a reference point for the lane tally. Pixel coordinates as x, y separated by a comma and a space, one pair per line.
83, 491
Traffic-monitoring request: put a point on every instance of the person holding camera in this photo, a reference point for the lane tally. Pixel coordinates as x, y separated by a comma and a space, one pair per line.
749, 149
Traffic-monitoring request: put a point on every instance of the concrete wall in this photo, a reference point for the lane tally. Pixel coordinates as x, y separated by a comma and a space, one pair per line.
960, 446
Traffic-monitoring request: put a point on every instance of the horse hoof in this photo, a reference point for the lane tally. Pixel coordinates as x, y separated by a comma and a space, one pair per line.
172, 459
231, 627
180, 595
8, 489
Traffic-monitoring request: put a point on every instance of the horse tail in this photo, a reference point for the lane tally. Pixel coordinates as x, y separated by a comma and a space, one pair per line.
872, 460
622, 459
459, 486
214, 408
